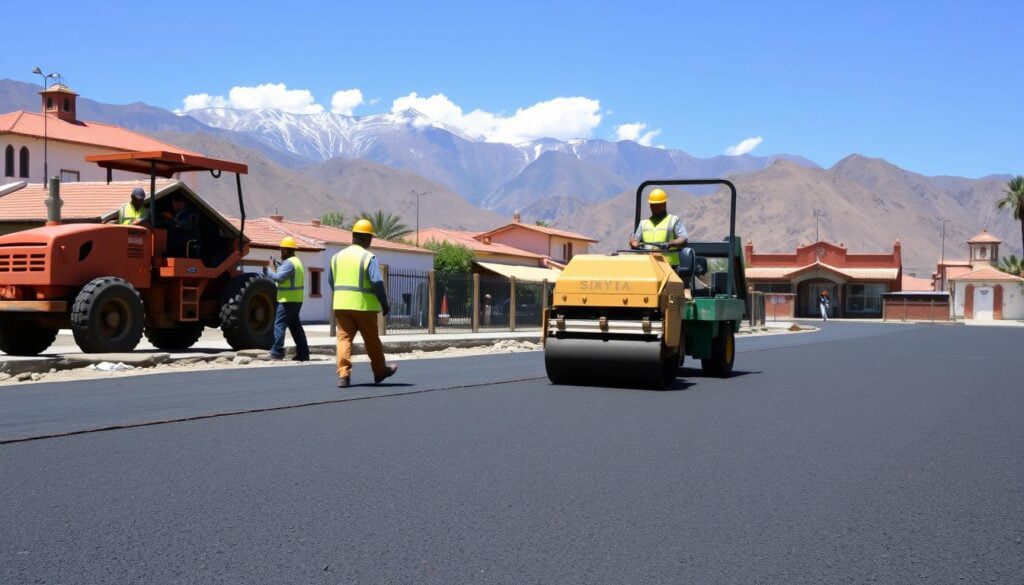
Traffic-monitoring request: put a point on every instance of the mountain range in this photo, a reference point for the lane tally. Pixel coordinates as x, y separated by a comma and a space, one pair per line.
303, 165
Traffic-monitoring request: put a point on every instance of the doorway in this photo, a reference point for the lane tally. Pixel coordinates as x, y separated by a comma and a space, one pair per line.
809, 293
984, 297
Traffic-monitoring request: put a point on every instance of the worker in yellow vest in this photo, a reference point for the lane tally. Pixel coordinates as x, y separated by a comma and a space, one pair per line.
662, 230
134, 212
359, 295
290, 277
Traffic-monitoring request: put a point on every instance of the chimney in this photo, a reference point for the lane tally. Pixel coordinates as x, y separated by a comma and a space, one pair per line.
277, 218
53, 202
60, 102
314, 222
515, 217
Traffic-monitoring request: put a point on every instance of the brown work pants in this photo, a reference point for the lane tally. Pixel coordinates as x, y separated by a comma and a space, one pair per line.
365, 323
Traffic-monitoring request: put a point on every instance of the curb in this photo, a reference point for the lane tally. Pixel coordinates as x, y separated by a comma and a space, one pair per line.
30, 369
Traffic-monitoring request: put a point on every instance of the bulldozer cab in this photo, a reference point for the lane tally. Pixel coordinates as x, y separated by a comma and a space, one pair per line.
206, 236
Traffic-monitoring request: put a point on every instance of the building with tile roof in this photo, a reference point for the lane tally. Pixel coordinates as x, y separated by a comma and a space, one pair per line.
67, 140
855, 282
317, 245
979, 290
559, 245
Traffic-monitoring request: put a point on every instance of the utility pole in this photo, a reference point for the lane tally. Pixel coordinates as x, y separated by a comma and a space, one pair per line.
46, 115
418, 194
817, 213
942, 255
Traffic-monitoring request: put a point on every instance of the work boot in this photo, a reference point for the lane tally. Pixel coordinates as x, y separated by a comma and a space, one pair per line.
389, 370
342, 382
274, 357
299, 358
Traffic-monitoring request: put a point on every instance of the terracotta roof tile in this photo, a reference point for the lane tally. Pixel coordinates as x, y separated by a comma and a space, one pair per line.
267, 233
83, 201
911, 283
91, 133
469, 240
542, 229
984, 238
988, 274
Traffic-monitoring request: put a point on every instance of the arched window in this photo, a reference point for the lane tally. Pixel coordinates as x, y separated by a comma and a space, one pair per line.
23, 162
49, 103
67, 105
9, 161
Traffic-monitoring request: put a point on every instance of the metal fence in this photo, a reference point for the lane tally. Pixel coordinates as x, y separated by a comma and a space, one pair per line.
423, 301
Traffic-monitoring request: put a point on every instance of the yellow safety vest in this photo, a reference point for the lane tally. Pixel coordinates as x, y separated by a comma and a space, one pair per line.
293, 289
352, 288
128, 214
660, 234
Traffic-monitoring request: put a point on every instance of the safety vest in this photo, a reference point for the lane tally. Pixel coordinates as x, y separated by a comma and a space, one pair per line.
353, 290
660, 234
128, 214
292, 290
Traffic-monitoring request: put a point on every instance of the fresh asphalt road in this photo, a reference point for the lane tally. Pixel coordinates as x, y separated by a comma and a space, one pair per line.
860, 453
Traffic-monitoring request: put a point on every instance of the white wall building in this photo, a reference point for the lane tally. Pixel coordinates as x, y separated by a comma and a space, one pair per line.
984, 293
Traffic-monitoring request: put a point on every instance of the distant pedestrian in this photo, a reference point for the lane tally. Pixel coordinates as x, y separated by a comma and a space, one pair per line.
359, 295
824, 303
291, 286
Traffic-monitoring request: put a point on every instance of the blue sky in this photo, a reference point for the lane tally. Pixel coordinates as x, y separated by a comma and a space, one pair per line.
936, 87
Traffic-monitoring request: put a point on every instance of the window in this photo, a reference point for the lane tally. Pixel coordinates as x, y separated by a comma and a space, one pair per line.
567, 251
67, 105
865, 298
69, 176
23, 162
315, 278
49, 103
774, 287
9, 161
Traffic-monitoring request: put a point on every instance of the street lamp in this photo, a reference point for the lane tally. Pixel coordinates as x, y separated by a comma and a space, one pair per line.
45, 76
418, 194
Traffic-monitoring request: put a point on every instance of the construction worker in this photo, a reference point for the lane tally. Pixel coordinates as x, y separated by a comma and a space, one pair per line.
359, 295
290, 277
662, 230
134, 212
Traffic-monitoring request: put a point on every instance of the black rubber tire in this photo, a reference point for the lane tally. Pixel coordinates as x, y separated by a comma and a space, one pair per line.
723, 353
107, 316
25, 336
181, 336
247, 312
669, 369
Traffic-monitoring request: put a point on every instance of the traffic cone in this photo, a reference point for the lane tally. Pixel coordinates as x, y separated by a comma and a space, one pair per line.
443, 317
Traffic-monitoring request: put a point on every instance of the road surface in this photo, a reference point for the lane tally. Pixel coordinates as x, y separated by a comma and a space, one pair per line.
860, 453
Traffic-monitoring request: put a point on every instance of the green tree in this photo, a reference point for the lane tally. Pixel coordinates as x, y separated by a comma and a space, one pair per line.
543, 223
1012, 265
387, 226
1014, 201
450, 259
333, 219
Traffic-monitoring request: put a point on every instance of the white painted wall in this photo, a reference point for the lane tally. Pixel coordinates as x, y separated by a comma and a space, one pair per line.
1013, 298
61, 156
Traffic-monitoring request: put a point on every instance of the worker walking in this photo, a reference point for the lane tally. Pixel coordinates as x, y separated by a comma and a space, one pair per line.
359, 295
662, 230
290, 277
134, 212
824, 303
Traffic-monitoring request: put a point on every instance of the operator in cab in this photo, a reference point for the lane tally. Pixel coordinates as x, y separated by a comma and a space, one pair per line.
182, 225
134, 212
662, 230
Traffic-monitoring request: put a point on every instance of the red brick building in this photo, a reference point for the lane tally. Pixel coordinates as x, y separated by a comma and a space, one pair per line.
855, 282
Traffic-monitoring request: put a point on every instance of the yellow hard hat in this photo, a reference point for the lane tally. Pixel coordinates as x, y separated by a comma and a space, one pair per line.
363, 226
657, 196
289, 242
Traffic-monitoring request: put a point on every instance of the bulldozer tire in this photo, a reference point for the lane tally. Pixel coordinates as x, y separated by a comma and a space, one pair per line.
247, 312
723, 353
25, 336
107, 316
181, 336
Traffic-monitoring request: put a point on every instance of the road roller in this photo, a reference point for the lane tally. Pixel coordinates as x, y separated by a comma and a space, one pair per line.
630, 318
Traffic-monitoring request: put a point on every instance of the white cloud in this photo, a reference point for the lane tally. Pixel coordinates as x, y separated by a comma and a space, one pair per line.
635, 132
275, 96
346, 101
745, 146
562, 118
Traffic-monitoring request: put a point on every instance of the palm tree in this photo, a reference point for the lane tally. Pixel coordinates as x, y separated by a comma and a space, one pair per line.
1012, 265
1014, 201
543, 223
387, 225
333, 219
